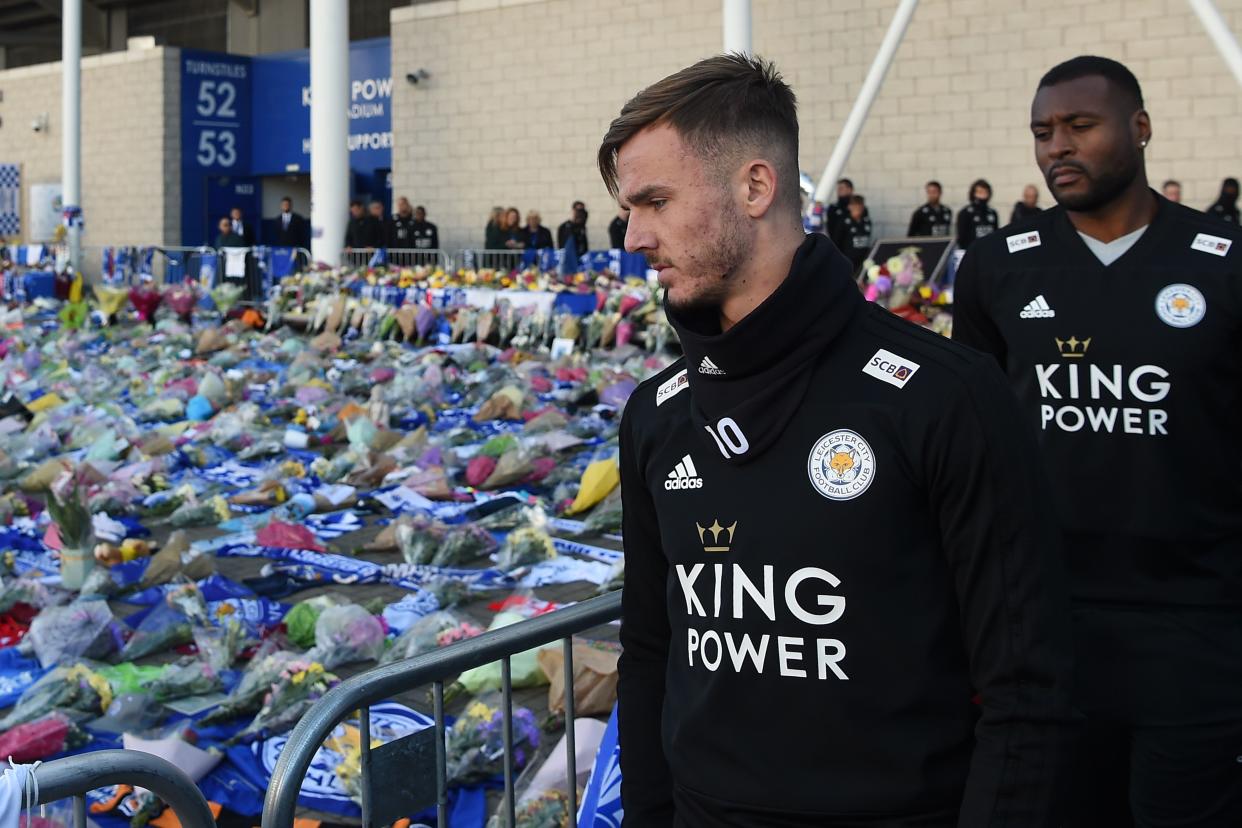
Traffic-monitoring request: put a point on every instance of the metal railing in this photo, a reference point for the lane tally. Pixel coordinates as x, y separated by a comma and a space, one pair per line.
73, 776
399, 257
365, 689
490, 259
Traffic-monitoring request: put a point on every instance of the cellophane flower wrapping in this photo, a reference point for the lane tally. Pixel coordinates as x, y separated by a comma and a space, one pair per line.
475, 742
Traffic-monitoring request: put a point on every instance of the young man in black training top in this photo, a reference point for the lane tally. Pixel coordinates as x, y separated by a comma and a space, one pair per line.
854, 233
836, 533
933, 218
1118, 317
976, 220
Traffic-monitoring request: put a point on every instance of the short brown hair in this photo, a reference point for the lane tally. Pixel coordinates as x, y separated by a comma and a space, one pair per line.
721, 106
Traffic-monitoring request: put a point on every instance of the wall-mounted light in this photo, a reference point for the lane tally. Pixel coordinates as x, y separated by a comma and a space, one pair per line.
415, 77
40, 123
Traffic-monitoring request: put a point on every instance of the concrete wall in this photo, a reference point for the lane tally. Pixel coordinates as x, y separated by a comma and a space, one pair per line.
131, 145
522, 90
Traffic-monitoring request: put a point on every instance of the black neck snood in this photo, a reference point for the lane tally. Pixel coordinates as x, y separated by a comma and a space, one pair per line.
746, 383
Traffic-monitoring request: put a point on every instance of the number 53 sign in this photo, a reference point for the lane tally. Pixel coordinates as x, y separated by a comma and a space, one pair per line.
215, 112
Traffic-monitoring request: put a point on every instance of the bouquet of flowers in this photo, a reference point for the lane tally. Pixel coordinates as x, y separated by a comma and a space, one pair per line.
65, 688
225, 295
464, 544
45, 736
181, 299
430, 632
299, 686
345, 634
68, 510
525, 545
258, 678
146, 300
192, 513
61, 635
549, 809
187, 677
475, 744
420, 539
170, 624
894, 283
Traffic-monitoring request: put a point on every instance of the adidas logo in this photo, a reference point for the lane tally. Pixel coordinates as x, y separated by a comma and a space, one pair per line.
1037, 308
685, 476
709, 367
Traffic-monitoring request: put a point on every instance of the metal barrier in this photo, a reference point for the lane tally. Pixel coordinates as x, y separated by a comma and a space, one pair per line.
403, 793
399, 257
490, 259
73, 776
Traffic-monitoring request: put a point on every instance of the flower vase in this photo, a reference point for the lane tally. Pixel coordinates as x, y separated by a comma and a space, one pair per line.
75, 564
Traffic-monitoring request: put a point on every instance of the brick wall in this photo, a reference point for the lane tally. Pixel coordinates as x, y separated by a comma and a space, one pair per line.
522, 90
131, 141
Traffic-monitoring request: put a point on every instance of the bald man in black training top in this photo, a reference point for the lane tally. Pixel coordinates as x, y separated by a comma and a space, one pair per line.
1118, 317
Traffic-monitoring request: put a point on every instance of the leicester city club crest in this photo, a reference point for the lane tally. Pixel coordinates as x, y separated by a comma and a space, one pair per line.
841, 465
1181, 306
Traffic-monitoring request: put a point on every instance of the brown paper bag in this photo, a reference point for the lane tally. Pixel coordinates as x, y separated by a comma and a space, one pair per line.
595, 679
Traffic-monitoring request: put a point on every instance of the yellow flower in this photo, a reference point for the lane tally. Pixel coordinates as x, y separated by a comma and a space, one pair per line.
478, 710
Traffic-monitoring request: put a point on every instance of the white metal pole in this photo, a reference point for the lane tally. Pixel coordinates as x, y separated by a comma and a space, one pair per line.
329, 80
736, 17
1221, 35
866, 96
71, 117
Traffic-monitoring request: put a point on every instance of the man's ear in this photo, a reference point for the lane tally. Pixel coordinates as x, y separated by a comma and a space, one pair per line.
1142, 127
760, 187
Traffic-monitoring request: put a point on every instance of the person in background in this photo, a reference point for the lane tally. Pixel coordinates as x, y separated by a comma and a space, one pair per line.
841, 208
617, 227
977, 219
1172, 190
933, 218
1226, 207
493, 234
576, 227
426, 234
228, 237
854, 233
814, 222
241, 227
379, 223
400, 231
363, 232
536, 235
1028, 206
291, 227
514, 238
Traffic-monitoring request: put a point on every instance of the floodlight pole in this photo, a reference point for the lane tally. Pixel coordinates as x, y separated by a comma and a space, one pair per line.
329, 83
735, 15
71, 127
1218, 30
866, 96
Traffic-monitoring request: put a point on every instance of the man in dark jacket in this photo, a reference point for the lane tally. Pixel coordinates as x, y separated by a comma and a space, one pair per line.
977, 219
227, 236
1028, 207
854, 237
535, 236
575, 227
836, 529
364, 232
241, 227
291, 228
933, 218
401, 226
1118, 318
1226, 207
840, 208
616, 229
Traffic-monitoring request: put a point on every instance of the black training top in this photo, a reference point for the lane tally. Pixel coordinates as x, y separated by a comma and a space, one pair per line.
835, 535
975, 221
931, 220
1131, 374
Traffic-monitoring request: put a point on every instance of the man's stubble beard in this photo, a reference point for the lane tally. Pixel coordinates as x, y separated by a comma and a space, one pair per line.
721, 259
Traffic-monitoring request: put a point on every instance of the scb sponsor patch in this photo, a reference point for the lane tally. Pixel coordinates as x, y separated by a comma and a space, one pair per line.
888, 367
671, 387
1215, 245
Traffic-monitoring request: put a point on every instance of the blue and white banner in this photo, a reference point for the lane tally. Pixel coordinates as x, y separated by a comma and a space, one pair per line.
10, 200
601, 803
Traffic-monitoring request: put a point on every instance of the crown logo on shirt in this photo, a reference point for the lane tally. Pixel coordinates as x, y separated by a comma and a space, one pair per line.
1073, 348
716, 531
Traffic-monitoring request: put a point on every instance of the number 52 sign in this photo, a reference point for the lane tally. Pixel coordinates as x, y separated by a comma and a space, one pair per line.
215, 113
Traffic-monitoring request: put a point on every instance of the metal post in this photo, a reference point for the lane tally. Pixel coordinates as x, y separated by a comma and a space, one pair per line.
735, 16
329, 78
1221, 35
571, 735
866, 96
441, 758
364, 762
71, 117
506, 686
